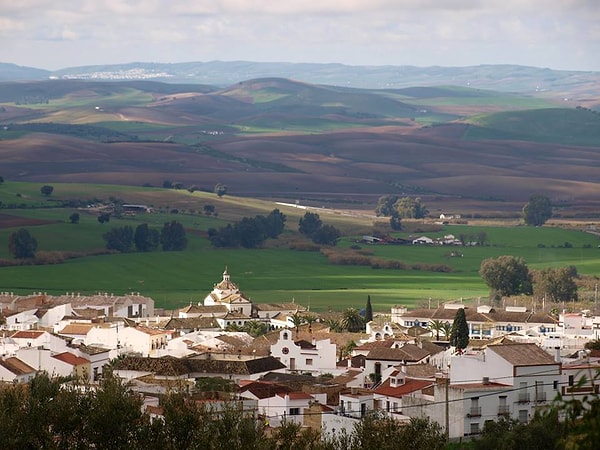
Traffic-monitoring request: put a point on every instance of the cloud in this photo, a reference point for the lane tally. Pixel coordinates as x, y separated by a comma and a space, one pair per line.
351, 31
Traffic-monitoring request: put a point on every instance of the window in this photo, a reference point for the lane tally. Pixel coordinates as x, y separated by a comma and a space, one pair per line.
285, 350
285, 336
475, 428
555, 385
294, 411
523, 415
309, 362
571, 380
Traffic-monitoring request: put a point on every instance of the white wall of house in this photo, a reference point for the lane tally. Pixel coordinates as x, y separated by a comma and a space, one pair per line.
42, 359
356, 405
278, 408
55, 315
25, 320
322, 358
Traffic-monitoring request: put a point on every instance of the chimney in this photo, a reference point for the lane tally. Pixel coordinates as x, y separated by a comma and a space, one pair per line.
485, 380
557, 354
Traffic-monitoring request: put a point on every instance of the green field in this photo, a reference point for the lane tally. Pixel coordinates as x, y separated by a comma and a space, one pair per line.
273, 274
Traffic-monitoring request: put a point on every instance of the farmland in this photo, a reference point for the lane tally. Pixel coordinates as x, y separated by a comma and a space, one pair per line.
272, 274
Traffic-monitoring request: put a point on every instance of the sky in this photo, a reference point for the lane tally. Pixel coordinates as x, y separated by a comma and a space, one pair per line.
54, 34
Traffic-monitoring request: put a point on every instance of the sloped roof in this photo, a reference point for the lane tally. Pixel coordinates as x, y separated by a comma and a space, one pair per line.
279, 307
264, 389
77, 329
27, 334
523, 354
408, 352
169, 366
409, 386
346, 377
420, 370
16, 366
71, 359
200, 323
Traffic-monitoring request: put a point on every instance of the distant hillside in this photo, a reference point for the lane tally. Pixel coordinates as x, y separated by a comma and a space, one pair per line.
505, 78
12, 72
574, 126
279, 138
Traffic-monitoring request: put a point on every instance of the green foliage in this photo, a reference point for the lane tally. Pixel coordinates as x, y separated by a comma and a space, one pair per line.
385, 206
172, 237
396, 223
104, 218
541, 433
21, 244
119, 239
368, 310
437, 326
47, 190
146, 239
557, 284
506, 275
309, 224
326, 235
220, 189
537, 210
74, 218
459, 334
352, 321
410, 208
250, 232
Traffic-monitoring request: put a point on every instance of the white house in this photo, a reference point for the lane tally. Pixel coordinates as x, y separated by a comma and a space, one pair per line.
510, 379
318, 356
15, 371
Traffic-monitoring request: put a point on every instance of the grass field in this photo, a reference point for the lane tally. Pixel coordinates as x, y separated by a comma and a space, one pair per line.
273, 274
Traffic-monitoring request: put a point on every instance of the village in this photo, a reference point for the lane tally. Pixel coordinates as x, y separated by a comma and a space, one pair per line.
518, 360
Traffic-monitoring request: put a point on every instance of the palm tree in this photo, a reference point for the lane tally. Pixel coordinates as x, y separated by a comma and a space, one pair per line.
352, 320
297, 320
436, 326
446, 329
334, 325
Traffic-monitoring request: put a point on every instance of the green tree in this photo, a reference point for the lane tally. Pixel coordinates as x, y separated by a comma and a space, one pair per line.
395, 223
21, 244
172, 237
1, 180
297, 320
209, 209
47, 190
410, 208
437, 326
555, 283
352, 321
326, 235
104, 218
385, 206
220, 189
537, 210
459, 335
119, 238
368, 310
506, 275
309, 224
275, 223
255, 328
146, 239
74, 218
446, 329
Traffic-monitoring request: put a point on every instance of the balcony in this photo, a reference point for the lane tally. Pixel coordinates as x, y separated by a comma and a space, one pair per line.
475, 411
503, 410
524, 397
540, 397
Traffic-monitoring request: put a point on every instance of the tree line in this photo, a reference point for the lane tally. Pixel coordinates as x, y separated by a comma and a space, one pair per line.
172, 237
250, 232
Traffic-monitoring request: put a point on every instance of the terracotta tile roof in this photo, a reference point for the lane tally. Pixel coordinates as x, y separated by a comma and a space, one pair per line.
77, 329
150, 331
200, 323
91, 350
279, 307
263, 389
420, 370
408, 352
71, 359
296, 395
174, 366
16, 366
27, 334
523, 354
406, 388
201, 309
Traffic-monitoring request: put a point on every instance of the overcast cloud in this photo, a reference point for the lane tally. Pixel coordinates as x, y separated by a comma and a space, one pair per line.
52, 34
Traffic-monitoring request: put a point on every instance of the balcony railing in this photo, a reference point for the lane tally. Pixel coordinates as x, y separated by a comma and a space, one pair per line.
540, 397
523, 397
475, 411
503, 410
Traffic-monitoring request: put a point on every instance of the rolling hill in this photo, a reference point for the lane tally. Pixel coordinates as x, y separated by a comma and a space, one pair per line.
457, 147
